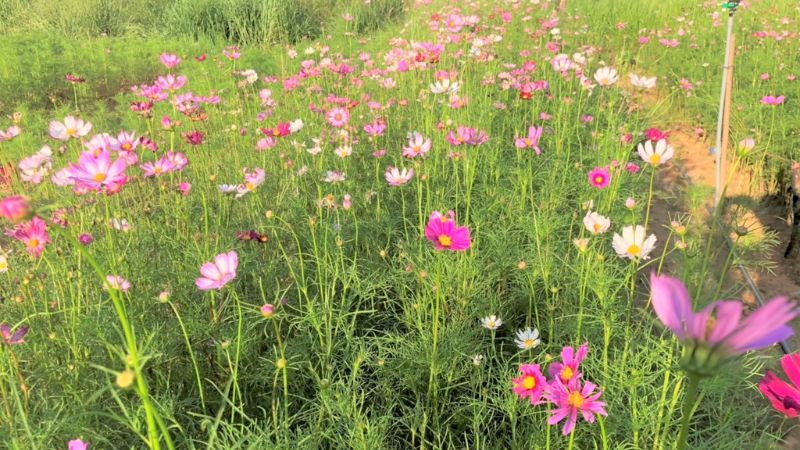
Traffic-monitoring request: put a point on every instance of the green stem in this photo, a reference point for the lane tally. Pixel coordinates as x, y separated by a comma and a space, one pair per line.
688, 410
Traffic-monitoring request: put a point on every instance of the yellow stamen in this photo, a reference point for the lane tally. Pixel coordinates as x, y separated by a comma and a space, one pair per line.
445, 240
100, 177
529, 382
567, 373
599, 179
71, 131
33, 243
634, 250
655, 159
575, 399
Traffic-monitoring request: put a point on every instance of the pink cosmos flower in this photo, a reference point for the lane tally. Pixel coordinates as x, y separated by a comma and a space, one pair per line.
217, 274
15, 208
396, 177
445, 235
467, 135
569, 399
599, 177
178, 159
417, 145
169, 60
116, 282
531, 141
785, 397
773, 101
530, 384
267, 310
34, 168
16, 338
567, 369
157, 168
718, 329
185, 188
70, 128
338, 117
33, 234
97, 172
252, 180
375, 128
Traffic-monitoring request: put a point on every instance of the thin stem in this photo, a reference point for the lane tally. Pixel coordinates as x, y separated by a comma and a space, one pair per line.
688, 410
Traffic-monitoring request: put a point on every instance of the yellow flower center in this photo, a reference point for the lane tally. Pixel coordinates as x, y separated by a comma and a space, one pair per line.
528, 142
277, 132
491, 324
445, 241
575, 399
597, 227
599, 179
338, 117
529, 343
634, 250
529, 382
567, 373
71, 131
416, 148
100, 177
655, 159
249, 186
33, 243
157, 170
126, 146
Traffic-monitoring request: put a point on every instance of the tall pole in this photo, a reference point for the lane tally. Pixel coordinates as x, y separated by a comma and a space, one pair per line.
724, 99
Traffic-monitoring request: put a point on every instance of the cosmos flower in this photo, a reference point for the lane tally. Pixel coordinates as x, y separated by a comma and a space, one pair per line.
772, 100
218, 273
96, 172
657, 155
169, 60
606, 76
784, 397
567, 370
596, 223
338, 117
34, 168
530, 141
717, 332
599, 177
396, 177
33, 234
116, 282
77, 444
570, 399
491, 322
633, 244
527, 338
70, 128
15, 208
642, 82
445, 235
530, 384
252, 180
16, 338
417, 145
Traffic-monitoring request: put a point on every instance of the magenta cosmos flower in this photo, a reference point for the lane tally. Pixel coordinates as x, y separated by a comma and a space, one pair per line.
15, 338
530, 384
599, 177
15, 208
445, 235
567, 369
217, 274
717, 332
570, 399
773, 100
785, 397
33, 234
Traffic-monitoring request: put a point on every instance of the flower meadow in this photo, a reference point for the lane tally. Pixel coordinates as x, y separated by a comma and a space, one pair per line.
445, 230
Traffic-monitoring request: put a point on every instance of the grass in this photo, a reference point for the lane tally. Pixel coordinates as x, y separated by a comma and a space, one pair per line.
375, 335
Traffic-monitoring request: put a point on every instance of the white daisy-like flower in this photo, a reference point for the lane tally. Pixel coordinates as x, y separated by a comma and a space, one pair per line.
344, 151
642, 82
606, 76
3, 264
228, 188
296, 125
491, 322
657, 155
445, 86
477, 360
527, 338
634, 244
596, 223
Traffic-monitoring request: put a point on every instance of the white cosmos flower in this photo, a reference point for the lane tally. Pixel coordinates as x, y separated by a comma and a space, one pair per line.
561, 62
642, 82
527, 338
228, 188
633, 244
595, 223
606, 76
491, 322
3, 264
445, 86
295, 125
344, 151
658, 155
